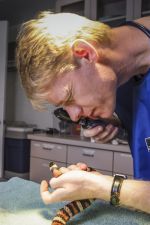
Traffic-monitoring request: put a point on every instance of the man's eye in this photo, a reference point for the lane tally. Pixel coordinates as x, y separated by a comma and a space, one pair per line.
69, 102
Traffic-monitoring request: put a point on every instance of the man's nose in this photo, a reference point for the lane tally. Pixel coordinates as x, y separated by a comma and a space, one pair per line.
75, 112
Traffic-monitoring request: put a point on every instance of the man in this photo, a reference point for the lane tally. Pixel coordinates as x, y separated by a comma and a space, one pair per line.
70, 61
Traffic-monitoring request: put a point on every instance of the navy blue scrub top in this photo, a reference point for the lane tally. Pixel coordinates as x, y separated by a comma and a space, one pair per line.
133, 109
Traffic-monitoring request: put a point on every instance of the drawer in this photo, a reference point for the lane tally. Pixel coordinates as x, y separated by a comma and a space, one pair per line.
109, 173
46, 150
104, 172
123, 163
95, 158
39, 169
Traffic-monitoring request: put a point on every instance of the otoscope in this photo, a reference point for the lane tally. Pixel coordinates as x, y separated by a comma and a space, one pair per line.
88, 123
85, 122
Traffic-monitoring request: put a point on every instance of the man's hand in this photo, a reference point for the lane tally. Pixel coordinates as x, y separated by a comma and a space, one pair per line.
73, 184
104, 134
101, 134
76, 183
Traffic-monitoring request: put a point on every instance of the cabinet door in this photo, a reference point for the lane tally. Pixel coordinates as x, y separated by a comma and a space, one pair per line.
112, 12
81, 7
104, 172
39, 169
145, 8
46, 150
123, 163
141, 8
96, 158
3, 63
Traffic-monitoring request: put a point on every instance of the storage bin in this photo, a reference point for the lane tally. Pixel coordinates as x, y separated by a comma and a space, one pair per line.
17, 155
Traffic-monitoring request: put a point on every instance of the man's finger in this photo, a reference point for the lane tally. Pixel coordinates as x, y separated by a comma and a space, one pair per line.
93, 131
82, 166
44, 186
64, 170
52, 197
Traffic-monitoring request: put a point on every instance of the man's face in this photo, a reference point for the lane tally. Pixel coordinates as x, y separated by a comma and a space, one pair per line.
89, 91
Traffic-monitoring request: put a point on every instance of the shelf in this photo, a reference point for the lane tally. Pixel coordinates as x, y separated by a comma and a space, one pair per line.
146, 13
11, 66
80, 7
112, 19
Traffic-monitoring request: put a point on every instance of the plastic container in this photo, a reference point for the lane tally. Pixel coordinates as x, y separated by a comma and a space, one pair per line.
17, 155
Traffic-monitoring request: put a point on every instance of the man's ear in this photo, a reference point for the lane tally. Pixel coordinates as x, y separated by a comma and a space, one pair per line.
83, 49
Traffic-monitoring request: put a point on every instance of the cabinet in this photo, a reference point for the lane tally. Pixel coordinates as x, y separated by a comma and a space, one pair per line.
41, 154
107, 161
111, 12
106, 158
123, 163
97, 158
81, 7
142, 8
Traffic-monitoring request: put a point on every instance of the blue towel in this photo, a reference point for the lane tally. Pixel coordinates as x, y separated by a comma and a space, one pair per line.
20, 204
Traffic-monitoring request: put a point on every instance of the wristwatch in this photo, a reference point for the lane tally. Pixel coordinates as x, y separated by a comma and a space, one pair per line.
116, 188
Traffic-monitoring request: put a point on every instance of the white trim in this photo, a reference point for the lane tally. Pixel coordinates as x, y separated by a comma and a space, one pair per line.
148, 147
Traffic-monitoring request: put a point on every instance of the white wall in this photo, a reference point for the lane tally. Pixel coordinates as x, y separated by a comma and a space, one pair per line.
10, 96
25, 112
3, 63
18, 107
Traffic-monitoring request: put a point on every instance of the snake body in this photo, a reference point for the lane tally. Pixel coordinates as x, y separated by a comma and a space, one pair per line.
71, 209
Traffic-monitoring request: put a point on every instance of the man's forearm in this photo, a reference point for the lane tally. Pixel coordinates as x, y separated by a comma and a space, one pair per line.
136, 194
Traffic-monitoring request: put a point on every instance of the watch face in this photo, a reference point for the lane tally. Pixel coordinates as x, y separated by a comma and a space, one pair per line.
114, 200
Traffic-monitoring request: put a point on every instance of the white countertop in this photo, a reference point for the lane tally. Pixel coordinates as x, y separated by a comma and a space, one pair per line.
77, 141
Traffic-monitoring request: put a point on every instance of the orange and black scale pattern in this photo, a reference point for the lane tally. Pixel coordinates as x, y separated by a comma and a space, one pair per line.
72, 208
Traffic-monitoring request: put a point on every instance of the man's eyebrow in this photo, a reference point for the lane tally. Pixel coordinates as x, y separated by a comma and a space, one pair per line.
59, 104
67, 99
68, 96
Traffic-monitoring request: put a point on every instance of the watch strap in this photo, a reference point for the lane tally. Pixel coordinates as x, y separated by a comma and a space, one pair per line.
116, 188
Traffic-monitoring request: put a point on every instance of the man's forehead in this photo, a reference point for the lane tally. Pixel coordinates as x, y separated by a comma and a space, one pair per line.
58, 93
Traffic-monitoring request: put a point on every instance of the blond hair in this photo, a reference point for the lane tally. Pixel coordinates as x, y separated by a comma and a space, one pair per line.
44, 49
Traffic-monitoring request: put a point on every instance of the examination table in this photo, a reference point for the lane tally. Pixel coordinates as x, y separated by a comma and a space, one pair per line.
20, 204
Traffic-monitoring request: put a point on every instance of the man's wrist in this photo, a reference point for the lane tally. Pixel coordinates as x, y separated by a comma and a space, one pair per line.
104, 187
116, 189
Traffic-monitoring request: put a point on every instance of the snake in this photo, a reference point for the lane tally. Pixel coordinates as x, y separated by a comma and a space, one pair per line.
71, 209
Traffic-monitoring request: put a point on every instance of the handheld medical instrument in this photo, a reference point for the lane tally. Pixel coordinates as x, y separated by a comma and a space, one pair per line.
85, 122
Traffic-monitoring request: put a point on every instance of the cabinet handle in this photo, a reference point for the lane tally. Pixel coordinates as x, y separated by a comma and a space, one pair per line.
47, 148
36, 144
45, 165
126, 155
89, 153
